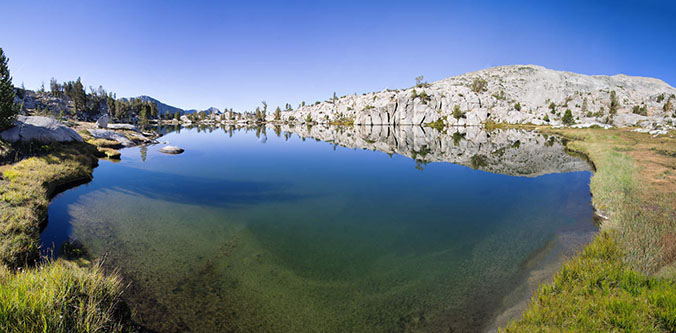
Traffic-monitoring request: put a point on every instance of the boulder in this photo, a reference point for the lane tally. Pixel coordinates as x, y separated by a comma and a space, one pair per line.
103, 121
110, 135
173, 150
39, 129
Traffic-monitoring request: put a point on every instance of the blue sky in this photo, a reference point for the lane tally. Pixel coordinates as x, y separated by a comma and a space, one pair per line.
197, 54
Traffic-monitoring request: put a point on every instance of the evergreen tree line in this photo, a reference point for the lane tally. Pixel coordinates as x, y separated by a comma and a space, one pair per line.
89, 106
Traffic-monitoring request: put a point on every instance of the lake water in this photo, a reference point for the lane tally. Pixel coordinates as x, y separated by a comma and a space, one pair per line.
331, 229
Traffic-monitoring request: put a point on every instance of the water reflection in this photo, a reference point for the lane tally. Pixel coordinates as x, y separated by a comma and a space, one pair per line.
511, 152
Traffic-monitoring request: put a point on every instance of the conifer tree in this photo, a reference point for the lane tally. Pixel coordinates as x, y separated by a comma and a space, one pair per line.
154, 110
278, 114
110, 103
8, 110
54, 87
143, 116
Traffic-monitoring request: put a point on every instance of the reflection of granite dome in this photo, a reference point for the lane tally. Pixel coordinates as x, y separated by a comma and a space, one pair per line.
511, 152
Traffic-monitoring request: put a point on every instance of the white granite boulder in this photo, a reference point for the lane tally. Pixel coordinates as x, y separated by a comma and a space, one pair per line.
102, 122
172, 150
39, 129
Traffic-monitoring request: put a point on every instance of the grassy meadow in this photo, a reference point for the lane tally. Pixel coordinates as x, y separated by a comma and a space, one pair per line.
625, 280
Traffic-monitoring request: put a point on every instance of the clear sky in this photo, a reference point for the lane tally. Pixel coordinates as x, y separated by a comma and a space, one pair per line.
197, 54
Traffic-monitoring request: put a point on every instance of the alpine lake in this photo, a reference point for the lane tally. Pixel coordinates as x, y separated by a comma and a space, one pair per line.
329, 228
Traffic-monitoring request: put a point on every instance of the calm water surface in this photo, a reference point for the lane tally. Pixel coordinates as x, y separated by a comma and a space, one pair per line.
248, 231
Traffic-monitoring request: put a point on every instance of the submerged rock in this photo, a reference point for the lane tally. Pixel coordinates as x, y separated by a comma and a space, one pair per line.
173, 150
40, 129
110, 135
73, 249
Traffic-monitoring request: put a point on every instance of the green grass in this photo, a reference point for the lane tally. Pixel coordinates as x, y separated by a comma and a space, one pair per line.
61, 297
25, 190
597, 292
342, 120
44, 296
624, 280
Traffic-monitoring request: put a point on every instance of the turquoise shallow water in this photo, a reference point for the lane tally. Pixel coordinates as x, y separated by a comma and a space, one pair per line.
253, 232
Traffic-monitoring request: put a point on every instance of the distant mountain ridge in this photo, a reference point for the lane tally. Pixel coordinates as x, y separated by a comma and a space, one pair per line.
166, 108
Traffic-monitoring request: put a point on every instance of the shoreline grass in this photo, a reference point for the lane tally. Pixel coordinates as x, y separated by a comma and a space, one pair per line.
624, 280
50, 296
61, 296
25, 189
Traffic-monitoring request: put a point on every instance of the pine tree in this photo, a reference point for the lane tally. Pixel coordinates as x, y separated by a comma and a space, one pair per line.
8, 110
54, 87
79, 96
568, 118
278, 114
110, 103
118, 110
154, 110
143, 116
614, 103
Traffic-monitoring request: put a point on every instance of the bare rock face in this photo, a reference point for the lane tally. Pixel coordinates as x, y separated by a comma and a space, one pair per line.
39, 129
110, 135
511, 94
172, 150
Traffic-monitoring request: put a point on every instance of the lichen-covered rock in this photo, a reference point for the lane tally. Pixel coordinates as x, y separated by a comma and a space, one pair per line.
39, 129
